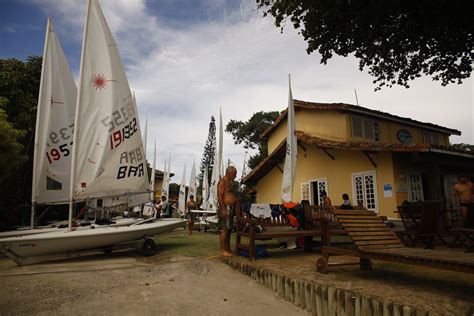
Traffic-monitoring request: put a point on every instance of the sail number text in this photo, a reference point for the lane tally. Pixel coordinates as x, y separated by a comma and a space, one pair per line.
117, 137
56, 154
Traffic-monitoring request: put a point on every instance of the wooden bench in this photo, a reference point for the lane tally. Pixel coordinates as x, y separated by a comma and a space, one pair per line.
313, 216
464, 237
374, 240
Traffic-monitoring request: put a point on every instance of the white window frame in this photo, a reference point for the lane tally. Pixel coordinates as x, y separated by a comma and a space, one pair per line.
311, 183
409, 183
306, 195
354, 195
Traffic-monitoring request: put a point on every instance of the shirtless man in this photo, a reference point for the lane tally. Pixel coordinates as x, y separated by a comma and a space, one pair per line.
227, 204
191, 205
463, 191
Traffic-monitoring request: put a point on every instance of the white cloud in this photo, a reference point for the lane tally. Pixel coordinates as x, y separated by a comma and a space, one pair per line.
240, 62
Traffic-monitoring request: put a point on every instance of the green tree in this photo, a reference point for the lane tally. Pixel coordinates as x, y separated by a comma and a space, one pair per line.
248, 133
245, 193
396, 40
209, 152
12, 156
465, 147
19, 85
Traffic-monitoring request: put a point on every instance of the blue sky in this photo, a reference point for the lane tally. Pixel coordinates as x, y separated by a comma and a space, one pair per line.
185, 59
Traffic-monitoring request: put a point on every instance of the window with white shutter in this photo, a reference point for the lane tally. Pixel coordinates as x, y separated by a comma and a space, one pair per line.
305, 195
365, 128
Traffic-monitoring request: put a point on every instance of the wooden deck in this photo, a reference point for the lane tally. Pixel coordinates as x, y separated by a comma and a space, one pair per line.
374, 240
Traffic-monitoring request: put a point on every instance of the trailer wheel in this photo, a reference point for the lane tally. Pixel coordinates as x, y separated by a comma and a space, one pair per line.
148, 247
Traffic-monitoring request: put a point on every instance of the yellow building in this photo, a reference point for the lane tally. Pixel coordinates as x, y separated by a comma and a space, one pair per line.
159, 182
379, 159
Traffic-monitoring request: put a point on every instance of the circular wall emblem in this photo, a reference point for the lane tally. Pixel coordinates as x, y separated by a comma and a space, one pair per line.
404, 136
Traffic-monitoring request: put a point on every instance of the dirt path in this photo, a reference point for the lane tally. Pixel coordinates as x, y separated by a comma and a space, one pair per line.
166, 284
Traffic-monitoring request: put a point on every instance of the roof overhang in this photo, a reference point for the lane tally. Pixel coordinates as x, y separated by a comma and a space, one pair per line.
278, 155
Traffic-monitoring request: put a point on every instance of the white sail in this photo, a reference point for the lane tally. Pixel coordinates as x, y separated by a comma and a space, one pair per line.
205, 189
217, 172
168, 177
108, 155
192, 182
289, 169
54, 125
152, 184
145, 133
164, 187
215, 177
220, 146
182, 194
135, 200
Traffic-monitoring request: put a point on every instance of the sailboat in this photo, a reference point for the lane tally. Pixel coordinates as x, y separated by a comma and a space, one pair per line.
53, 137
217, 173
216, 169
289, 169
205, 190
182, 194
108, 157
53, 132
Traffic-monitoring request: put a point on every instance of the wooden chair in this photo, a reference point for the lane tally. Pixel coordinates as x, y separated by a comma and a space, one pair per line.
464, 237
374, 240
421, 221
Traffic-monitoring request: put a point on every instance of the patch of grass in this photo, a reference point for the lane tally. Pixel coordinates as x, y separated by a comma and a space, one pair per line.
199, 244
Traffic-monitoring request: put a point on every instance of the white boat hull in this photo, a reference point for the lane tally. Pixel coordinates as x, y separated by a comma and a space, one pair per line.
63, 241
48, 229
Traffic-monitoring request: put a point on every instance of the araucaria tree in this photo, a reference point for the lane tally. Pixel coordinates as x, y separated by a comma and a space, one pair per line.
249, 134
209, 152
396, 40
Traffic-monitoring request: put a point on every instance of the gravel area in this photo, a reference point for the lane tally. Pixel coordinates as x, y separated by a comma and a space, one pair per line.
126, 284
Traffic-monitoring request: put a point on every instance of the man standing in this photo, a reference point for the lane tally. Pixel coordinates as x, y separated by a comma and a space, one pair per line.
227, 205
163, 207
463, 191
190, 206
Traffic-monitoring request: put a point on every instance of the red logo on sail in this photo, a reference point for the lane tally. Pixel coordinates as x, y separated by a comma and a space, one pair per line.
99, 81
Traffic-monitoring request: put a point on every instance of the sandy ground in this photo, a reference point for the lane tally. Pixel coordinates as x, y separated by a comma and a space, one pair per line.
126, 284
451, 293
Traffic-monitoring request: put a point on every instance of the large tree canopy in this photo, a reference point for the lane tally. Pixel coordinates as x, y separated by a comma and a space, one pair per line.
397, 40
249, 134
19, 85
11, 157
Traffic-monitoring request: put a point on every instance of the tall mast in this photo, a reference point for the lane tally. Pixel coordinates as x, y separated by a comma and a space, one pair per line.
39, 111
76, 120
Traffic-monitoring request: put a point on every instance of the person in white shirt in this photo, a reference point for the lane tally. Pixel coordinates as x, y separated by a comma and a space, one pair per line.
163, 208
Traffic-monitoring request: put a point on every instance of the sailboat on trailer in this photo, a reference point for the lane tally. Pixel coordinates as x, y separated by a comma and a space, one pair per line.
53, 137
108, 157
53, 132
